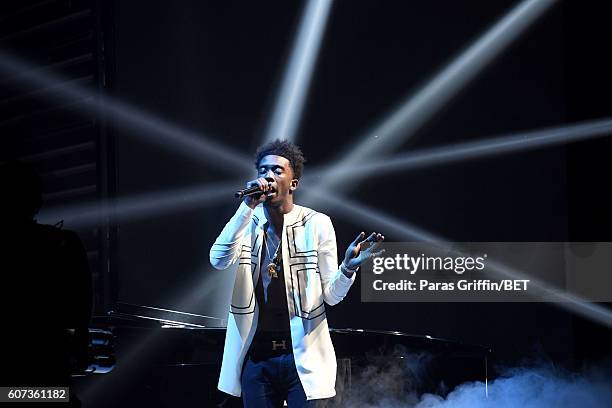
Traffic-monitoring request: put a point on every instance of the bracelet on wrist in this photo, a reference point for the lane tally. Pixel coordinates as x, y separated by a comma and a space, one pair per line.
346, 269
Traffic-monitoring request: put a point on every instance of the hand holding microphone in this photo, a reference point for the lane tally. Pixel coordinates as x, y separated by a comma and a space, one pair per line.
256, 190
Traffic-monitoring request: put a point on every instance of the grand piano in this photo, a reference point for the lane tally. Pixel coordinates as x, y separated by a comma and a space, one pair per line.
147, 356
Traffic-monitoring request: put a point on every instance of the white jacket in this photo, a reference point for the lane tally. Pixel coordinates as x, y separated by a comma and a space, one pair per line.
311, 277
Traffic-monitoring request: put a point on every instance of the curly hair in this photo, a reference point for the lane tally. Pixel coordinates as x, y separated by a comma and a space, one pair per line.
286, 149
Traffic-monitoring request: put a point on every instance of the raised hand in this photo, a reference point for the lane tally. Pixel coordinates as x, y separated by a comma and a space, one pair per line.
360, 250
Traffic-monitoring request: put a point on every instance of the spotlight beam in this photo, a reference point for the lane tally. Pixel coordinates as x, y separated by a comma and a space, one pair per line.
361, 214
472, 150
402, 123
143, 125
152, 204
137, 207
292, 94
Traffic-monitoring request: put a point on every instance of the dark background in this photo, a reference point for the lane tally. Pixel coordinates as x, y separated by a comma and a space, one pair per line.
215, 67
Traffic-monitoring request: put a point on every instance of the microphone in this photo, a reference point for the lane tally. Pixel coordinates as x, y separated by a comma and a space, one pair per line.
253, 190
248, 192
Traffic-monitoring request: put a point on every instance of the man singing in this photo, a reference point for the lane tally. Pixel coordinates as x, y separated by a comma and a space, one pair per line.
277, 345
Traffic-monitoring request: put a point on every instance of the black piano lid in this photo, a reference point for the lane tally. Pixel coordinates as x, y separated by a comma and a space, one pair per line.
347, 341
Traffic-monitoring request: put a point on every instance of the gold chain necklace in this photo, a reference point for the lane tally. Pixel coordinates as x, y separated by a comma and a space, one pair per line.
274, 265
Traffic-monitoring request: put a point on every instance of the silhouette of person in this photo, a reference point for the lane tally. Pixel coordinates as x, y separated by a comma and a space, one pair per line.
46, 290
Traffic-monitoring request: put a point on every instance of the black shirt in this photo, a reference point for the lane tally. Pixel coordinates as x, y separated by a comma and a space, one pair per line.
273, 314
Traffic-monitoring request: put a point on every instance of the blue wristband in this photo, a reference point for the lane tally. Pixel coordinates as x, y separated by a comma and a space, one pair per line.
346, 269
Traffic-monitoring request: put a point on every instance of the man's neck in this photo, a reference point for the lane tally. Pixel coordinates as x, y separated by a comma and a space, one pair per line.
275, 215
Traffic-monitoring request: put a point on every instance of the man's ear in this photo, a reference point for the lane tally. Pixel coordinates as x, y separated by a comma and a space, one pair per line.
294, 185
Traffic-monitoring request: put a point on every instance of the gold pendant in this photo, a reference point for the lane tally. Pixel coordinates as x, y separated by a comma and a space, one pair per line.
272, 270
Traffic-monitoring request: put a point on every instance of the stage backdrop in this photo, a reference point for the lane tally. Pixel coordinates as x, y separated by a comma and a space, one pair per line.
215, 68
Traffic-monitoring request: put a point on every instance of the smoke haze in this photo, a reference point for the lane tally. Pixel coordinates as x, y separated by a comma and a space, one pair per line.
393, 386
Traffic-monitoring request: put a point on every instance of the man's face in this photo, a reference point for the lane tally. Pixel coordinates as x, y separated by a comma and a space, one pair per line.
278, 170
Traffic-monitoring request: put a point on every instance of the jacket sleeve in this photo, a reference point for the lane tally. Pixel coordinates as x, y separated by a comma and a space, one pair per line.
227, 247
335, 284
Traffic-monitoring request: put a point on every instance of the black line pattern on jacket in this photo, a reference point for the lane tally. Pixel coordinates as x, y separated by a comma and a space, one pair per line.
294, 253
247, 260
311, 312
